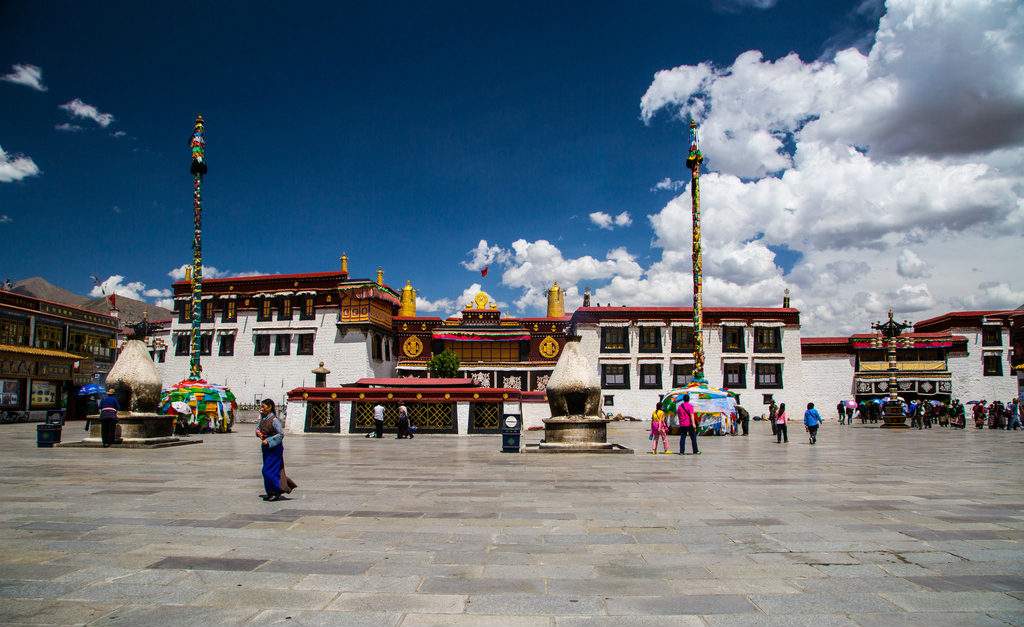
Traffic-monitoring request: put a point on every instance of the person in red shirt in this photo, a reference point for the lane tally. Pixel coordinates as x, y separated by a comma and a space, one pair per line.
688, 424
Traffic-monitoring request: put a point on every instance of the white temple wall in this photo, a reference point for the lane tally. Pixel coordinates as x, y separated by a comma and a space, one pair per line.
828, 379
967, 369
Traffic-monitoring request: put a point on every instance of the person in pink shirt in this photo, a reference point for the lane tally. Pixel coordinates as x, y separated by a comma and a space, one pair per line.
780, 425
688, 424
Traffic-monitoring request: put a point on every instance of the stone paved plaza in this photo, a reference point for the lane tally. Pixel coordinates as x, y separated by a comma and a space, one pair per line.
866, 528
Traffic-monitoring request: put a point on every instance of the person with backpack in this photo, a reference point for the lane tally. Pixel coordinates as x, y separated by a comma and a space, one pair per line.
659, 430
781, 434
688, 425
812, 420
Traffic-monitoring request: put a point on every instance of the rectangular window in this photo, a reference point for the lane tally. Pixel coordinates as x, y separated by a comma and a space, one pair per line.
161, 356
614, 339
262, 345
227, 345
264, 310
615, 376
206, 312
993, 365
732, 339
13, 332
206, 344
282, 344
991, 335
181, 346
49, 337
308, 308
183, 310
650, 376
769, 376
229, 313
609, 400
650, 340
305, 344
682, 375
735, 375
767, 340
285, 309
376, 347
482, 351
683, 340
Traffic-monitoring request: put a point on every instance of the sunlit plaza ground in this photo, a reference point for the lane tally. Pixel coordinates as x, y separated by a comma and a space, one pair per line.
868, 527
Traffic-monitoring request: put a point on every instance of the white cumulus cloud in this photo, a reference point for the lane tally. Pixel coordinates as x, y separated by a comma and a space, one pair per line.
27, 75
79, 109
484, 255
209, 272
607, 221
910, 266
16, 167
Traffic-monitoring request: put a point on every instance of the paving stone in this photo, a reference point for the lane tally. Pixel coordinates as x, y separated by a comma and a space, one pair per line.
325, 617
208, 563
176, 615
406, 603
476, 620
50, 612
315, 568
821, 603
680, 605
479, 585
533, 604
954, 601
267, 598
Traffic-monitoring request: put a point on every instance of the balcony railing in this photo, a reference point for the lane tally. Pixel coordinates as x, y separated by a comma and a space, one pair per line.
904, 366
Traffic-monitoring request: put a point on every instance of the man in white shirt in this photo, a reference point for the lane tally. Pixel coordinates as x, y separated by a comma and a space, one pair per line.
378, 421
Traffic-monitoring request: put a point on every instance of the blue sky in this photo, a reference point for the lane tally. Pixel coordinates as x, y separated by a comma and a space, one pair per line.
402, 133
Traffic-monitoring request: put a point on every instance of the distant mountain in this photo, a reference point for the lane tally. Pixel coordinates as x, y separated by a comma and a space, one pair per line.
131, 310
38, 287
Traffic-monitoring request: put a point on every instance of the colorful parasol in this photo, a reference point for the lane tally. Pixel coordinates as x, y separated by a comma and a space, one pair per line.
203, 399
715, 407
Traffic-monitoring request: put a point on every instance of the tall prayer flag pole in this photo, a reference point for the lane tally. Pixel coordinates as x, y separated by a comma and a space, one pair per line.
198, 170
693, 161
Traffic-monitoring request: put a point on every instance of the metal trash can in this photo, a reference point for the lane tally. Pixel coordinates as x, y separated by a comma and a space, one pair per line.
511, 433
47, 435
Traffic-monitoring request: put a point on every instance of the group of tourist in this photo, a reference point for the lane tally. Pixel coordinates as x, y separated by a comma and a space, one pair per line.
923, 414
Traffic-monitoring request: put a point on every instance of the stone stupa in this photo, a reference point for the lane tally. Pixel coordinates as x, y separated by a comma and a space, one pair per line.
577, 424
136, 383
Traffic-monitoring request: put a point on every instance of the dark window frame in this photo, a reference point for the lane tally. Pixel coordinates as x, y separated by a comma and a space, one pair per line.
682, 375
677, 342
261, 344
182, 345
605, 348
226, 346
616, 386
650, 386
285, 347
229, 312
758, 385
649, 347
206, 311
301, 348
264, 310
206, 344
285, 310
308, 309
991, 335
992, 358
742, 375
775, 346
741, 334
182, 307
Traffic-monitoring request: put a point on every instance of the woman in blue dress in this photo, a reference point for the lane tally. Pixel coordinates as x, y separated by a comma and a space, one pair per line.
271, 434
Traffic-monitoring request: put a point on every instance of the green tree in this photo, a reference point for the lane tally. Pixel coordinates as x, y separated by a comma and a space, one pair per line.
444, 364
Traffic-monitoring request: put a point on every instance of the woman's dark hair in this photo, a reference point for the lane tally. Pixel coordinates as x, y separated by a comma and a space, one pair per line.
782, 407
810, 405
269, 402
686, 398
657, 404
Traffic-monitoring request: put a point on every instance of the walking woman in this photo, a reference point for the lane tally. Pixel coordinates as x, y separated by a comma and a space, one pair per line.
271, 435
659, 430
780, 425
688, 425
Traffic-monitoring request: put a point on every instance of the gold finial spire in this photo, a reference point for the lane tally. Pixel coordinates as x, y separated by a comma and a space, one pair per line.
380, 276
407, 307
556, 301
344, 264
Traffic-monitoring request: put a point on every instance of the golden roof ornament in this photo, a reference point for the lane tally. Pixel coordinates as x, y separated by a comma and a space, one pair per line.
407, 306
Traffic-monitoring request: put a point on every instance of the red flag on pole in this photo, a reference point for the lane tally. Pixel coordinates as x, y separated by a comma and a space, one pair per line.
113, 301
483, 272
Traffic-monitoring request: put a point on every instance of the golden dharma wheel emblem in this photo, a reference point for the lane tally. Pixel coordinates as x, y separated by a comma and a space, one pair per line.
361, 395
334, 395
390, 395
548, 347
447, 396
412, 347
418, 395
305, 395
405, 326
504, 396
475, 395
